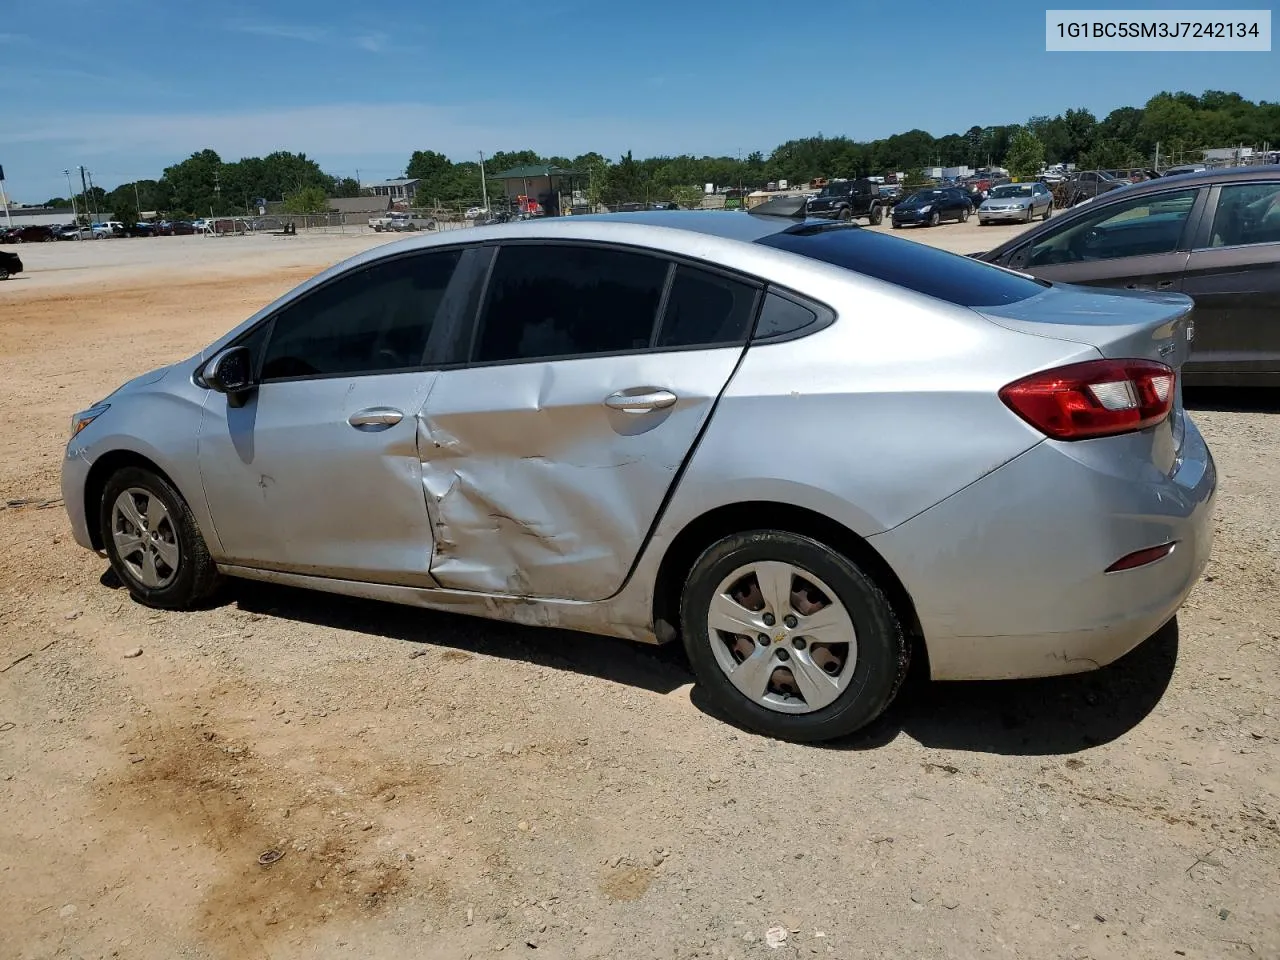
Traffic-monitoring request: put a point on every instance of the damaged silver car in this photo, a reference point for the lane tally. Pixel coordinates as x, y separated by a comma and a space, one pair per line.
806, 450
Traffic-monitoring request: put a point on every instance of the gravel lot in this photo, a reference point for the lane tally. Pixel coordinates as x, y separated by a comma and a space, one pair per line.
444, 787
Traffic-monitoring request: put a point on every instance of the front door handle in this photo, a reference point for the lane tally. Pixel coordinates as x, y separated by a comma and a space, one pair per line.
375, 418
640, 402
1162, 285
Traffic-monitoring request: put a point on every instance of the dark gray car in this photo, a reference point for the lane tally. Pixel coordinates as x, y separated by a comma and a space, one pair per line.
1214, 235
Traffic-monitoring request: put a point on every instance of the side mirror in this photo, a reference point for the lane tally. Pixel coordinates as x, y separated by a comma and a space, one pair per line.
230, 372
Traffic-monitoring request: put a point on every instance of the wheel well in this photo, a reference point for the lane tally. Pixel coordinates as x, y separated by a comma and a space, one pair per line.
735, 518
96, 483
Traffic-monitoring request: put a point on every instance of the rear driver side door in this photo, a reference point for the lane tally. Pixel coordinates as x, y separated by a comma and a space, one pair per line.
549, 452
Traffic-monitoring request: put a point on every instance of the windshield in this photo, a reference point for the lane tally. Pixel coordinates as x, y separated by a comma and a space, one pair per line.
914, 266
1011, 190
834, 190
924, 196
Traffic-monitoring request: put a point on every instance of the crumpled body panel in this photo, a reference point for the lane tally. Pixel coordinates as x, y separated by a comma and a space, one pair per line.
536, 488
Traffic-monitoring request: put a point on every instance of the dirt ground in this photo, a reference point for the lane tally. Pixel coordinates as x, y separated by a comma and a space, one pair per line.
435, 786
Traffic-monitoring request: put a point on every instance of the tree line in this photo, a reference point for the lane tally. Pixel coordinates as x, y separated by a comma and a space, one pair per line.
1181, 124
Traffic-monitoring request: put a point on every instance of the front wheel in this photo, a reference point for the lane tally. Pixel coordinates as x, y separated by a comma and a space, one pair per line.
844, 216
964, 214
935, 218
789, 638
877, 215
153, 542
1048, 211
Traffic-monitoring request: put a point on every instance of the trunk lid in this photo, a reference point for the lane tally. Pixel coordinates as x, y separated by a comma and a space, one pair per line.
1119, 324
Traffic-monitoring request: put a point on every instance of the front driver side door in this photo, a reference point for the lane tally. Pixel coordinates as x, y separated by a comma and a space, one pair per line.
318, 472
1138, 244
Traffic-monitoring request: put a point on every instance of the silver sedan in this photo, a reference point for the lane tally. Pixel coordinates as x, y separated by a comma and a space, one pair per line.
805, 450
1019, 202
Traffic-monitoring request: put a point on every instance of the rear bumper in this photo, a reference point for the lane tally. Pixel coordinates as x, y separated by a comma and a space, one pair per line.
1008, 575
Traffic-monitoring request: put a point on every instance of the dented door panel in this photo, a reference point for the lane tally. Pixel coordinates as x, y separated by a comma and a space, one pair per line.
292, 485
537, 488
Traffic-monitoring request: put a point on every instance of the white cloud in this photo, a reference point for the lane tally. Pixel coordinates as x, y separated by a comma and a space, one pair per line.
283, 31
373, 42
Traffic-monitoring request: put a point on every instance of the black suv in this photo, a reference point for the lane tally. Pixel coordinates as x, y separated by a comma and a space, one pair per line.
847, 199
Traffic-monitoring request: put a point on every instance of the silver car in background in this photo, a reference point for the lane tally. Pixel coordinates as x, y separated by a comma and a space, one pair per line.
806, 450
1019, 202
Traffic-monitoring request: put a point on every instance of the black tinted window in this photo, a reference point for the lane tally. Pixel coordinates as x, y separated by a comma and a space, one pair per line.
1142, 226
936, 273
372, 320
1247, 213
780, 316
704, 309
561, 300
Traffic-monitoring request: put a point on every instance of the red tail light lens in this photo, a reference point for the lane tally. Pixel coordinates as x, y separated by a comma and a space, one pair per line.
1098, 398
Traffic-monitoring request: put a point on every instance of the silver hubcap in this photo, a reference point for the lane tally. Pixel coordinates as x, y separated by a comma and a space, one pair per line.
145, 538
781, 637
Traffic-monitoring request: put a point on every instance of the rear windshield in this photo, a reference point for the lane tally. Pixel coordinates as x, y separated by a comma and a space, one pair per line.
946, 276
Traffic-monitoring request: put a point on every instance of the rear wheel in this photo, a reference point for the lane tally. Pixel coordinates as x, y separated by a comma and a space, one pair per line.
4, 273
964, 214
790, 638
153, 542
877, 215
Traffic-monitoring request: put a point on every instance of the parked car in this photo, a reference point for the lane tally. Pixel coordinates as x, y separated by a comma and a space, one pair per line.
849, 200
1019, 492
474, 213
10, 263
1020, 202
407, 223
1088, 184
108, 229
74, 232
29, 233
1214, 235
931, 206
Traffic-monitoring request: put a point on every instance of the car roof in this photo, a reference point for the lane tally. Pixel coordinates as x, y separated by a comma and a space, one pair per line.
727, 224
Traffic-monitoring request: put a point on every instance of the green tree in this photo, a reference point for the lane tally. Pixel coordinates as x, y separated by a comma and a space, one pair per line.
307, 200
688, 195
1026, 155
346, 187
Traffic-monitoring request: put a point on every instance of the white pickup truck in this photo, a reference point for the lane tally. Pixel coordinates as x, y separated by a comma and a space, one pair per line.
401, 222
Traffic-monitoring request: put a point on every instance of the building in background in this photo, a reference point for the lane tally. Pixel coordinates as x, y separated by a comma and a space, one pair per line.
400, 191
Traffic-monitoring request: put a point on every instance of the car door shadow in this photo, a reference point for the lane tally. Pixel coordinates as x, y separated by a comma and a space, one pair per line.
1050, 716
656, 669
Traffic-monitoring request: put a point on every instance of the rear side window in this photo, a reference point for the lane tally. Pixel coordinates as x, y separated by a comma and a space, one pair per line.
946, 276
705, 309
559, 300
784, 317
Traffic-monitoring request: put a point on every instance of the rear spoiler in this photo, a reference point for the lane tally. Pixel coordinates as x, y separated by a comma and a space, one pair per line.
793, 208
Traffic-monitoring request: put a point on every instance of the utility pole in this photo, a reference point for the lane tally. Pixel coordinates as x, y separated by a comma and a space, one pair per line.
84, 195
8, 217
484, 190
72, 194
96, 212
136, 202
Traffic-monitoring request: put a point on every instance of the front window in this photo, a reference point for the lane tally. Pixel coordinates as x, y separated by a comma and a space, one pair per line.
834, 190
914, 266
1011, 191
1143, 226
924, 196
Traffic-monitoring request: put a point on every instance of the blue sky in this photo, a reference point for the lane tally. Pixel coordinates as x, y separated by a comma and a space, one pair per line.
127, 87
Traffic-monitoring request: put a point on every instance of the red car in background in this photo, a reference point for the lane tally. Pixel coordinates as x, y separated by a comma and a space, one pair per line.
31, 233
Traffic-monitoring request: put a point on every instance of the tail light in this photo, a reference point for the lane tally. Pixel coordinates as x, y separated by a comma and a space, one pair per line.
1098, 398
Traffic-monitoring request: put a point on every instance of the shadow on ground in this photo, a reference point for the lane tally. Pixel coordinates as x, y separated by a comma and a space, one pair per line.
1050, 716
1232, 400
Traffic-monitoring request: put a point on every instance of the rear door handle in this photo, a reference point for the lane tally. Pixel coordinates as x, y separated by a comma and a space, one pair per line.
640, 402
375, 418
1162, 285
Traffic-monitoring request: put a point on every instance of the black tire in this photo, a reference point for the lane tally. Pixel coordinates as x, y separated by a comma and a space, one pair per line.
4, 273
197, 576
935, 218
883, 652
844, 216
896, 225
964, 214
1048, 210
877, 215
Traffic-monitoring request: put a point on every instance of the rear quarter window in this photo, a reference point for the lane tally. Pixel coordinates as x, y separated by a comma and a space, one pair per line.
944, 276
